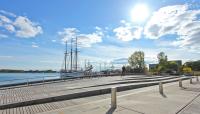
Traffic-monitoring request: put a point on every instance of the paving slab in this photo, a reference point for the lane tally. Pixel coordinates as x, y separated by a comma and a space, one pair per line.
144, 101
52, 92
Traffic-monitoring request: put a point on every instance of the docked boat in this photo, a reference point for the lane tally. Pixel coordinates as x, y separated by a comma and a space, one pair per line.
70, 67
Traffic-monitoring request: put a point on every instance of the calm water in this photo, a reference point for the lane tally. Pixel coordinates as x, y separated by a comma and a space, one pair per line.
8, 78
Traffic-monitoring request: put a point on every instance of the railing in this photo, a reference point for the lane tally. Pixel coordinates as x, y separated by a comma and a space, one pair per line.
27, 81
45, 79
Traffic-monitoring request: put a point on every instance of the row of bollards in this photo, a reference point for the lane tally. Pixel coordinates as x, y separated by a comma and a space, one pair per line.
114, 91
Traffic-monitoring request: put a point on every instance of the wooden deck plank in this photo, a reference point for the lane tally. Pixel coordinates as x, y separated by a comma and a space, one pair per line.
7, 111
39, 108
43, 108
3, 111
11, 111
24, 110
50, 105
30, 110
47, 106
17, 111
35, 109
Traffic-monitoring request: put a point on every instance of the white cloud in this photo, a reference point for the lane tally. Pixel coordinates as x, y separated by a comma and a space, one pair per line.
19, 25
8, 13
35, 46
111, 53
4, 19
9, 27
26, 28
84, 40
128, 32
67, 34
178, 20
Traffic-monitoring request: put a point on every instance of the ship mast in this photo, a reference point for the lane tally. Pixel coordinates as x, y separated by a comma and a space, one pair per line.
66, 58
71, 58
76, 56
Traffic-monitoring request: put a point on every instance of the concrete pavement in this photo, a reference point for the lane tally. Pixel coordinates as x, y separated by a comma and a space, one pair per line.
147, 100
40, 94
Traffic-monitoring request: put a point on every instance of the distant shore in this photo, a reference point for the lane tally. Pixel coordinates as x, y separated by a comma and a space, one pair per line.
26, 71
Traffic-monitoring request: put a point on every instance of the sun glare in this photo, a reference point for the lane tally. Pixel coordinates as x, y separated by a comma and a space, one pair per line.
139, 13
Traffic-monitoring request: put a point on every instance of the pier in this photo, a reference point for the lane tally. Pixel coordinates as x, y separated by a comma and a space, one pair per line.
51, 96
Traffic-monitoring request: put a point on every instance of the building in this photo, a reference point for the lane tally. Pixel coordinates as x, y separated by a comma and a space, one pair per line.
152, 66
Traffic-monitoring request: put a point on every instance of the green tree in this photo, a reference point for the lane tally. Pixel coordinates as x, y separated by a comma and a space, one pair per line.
187, 69
195, 65
172, 66
162, 59
136, 60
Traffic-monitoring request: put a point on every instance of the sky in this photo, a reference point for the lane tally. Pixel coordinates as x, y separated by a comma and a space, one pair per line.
33, 32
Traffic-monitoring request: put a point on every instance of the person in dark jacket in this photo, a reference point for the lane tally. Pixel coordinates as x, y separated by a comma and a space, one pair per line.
123, 71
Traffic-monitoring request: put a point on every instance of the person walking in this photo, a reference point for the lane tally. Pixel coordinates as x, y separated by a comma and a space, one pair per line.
123, 71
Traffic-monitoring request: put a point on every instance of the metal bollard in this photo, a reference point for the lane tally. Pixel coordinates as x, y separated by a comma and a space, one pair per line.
113, 97
197, 78
180, 83
161, 87
190, 80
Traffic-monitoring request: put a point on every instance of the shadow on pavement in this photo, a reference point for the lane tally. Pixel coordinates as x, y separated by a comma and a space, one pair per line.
192, 89
111, 110
163, 95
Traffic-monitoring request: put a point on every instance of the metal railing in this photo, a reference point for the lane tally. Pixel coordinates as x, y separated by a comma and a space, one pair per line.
27, 81
50, 79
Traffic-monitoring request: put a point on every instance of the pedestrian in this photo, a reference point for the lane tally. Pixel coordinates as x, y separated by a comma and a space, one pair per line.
123, 71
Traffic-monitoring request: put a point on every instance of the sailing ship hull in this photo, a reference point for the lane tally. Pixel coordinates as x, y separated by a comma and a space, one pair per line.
71, 74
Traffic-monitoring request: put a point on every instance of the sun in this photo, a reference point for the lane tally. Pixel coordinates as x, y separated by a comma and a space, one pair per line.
139, 13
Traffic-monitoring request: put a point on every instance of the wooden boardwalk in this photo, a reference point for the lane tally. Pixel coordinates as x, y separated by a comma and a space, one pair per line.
34, 109
15, 95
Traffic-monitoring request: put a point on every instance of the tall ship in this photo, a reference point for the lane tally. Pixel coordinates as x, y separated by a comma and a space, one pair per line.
71, 66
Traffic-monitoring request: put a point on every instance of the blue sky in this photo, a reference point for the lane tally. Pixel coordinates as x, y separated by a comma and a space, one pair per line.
32, 32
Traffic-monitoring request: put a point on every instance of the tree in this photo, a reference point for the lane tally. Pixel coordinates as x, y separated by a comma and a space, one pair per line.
195, 65
172, 66
187, 69
136, 60
162, 58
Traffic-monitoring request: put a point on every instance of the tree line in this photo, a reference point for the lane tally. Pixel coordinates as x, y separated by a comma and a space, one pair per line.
25, 71
137, 64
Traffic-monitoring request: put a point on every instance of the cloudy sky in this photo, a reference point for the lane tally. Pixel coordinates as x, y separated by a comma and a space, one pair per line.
32, 33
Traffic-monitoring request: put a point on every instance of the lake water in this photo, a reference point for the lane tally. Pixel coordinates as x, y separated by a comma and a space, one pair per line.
8, 78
